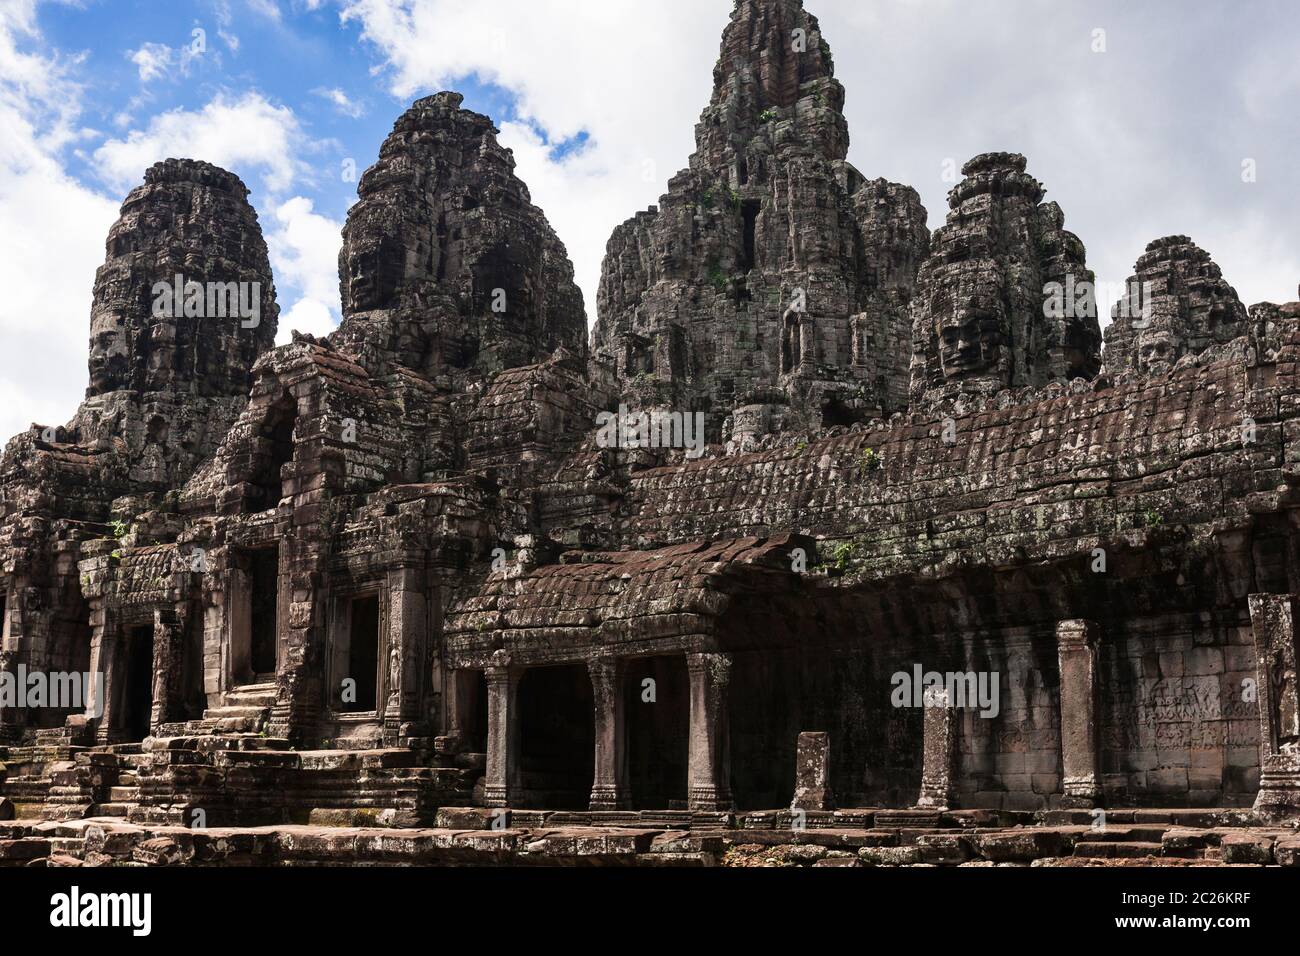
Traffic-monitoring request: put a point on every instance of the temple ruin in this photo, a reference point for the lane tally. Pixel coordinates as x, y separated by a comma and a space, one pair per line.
392, 578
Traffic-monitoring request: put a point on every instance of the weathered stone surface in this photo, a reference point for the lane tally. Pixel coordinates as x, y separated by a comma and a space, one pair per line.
447, 266
1178, 304
773, 278
386, 579
812, 773
981, 316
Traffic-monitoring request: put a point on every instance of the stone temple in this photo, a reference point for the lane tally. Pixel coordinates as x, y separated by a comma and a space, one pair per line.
399, 578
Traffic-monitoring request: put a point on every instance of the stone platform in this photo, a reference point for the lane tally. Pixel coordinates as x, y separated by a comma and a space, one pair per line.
470, 837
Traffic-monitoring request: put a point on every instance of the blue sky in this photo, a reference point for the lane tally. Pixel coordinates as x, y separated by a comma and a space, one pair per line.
1143, 138
296, 55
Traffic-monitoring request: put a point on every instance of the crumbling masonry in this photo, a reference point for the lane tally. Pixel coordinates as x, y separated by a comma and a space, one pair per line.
392, 575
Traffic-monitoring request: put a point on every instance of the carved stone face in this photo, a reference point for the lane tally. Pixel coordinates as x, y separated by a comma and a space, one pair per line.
110, 353
374, 270
1156, 351
970, 325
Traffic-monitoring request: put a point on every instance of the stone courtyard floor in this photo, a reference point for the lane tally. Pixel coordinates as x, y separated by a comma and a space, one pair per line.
856, 838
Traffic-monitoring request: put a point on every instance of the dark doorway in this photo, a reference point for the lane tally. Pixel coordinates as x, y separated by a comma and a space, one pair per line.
657, 714
276, 450
557, 737
264, 582
363, 652
765, 721
138, 696
475, 709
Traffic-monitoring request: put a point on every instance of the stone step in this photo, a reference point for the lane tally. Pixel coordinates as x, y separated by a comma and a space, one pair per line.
214, 725
234, 710
1121, 851
124, 794
251, 695
128, 778
1127, 834
111, 809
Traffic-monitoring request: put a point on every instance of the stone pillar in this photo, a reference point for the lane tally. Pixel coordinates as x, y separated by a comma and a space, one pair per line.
938, 740
609, 790
503, 733
709, 773
1076, 644
11, 723
168, 655
812, 789
407, 618
105, 658
1273, 620
807, 343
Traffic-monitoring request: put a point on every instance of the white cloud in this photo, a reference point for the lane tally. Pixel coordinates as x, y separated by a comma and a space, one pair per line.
341, 101
653, 67
1123, 140
304, 248
267, 8
245, 134
54, 236
153, 60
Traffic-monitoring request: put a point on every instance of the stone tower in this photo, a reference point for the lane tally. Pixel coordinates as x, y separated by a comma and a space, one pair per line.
982, 310
1178, 304
184, 306
772, 280
447, 266
193, 220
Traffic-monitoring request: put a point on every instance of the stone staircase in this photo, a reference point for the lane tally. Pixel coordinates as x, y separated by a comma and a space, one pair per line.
244, 710
123, 796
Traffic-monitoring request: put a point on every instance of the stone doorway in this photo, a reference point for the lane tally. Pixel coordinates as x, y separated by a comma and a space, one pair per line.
363, 651
264, 576
557, 737
357, 648
137, 697
657, 717
255, 616
275, 451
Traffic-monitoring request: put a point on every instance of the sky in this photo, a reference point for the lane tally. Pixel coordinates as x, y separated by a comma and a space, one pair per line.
1141, 119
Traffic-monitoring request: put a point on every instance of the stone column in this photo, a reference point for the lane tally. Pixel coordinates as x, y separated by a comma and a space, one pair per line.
1273, 620
938, 738
11, 724
609, 790
407, 618
812, 789
503, 733
709, 773
1076, 644
807, 342
167, 661
105, 657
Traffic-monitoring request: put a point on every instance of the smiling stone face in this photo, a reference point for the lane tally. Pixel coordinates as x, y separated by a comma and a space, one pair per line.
446, 263
110, 353
193, 220
1189, 307
970, 320
1157, 351
979, 322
